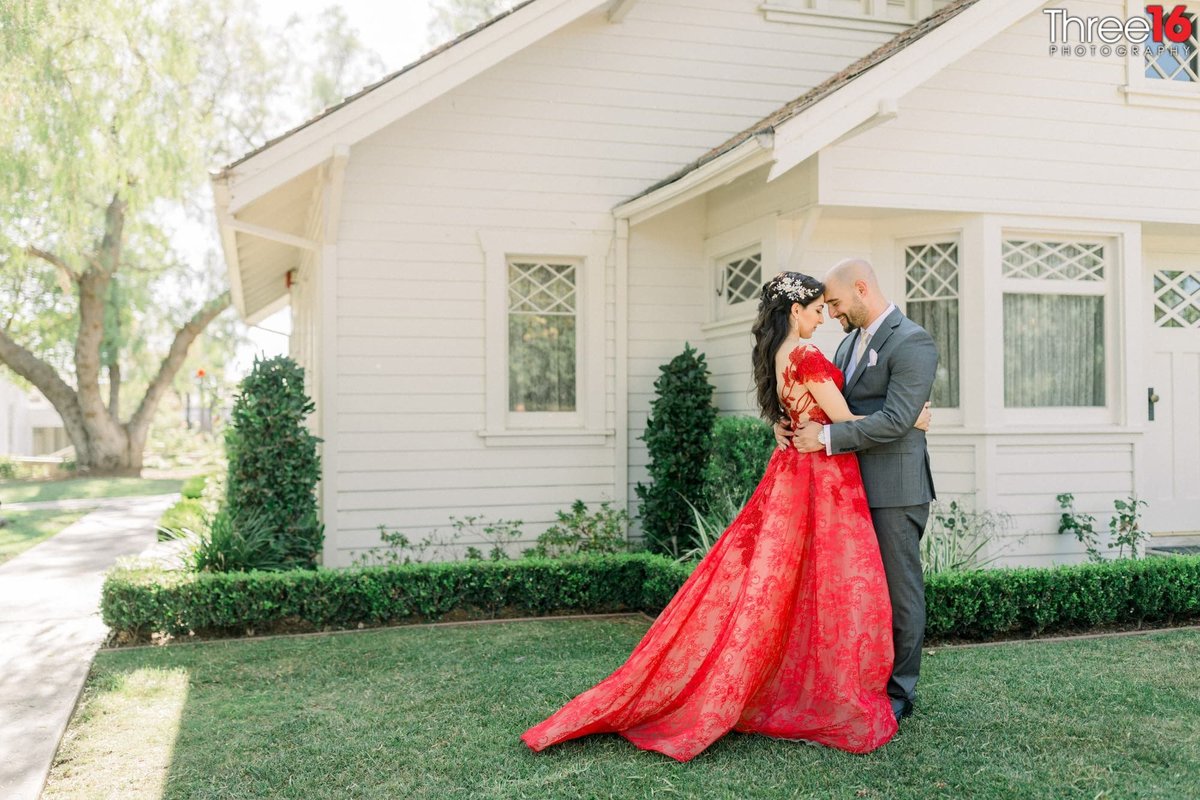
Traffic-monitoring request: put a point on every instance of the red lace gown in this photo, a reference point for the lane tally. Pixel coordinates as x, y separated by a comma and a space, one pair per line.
783, 629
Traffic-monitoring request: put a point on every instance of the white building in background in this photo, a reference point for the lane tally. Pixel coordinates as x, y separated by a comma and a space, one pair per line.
29, 425
630, 171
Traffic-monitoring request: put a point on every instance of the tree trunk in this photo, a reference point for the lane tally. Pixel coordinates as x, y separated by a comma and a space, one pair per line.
114, 391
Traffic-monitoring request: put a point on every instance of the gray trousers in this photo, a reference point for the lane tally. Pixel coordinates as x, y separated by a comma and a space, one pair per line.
899, 531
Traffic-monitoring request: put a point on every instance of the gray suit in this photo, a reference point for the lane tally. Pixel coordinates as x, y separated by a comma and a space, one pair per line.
895, 468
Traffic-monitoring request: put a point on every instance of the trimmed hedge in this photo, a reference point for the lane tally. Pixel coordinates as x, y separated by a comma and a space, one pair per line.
968, 605
140, 602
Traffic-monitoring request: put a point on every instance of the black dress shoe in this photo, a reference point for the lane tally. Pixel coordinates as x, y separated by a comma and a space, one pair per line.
902, 709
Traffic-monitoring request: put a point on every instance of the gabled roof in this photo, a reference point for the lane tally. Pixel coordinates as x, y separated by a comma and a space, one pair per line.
372, 87
768, 124
859, 97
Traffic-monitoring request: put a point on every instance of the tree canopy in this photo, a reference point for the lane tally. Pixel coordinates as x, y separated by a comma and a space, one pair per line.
114, 111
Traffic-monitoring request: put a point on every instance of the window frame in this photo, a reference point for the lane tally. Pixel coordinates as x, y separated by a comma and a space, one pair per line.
863, 15
585, 425
1141, 90
758, 236
946, 416
1106, 289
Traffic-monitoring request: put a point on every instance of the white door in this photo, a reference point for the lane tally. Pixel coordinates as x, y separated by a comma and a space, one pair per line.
1172, 481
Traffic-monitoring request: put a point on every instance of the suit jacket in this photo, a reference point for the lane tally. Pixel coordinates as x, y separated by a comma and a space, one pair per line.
892, 454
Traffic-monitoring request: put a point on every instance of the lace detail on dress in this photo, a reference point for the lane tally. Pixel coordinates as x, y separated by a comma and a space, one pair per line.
806, 363
783, 629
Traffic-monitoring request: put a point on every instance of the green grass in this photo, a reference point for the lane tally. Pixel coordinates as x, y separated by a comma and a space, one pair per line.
36, 491
436, 712
27, 528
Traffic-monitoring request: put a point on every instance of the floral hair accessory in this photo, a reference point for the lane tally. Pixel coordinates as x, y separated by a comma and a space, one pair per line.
789, 285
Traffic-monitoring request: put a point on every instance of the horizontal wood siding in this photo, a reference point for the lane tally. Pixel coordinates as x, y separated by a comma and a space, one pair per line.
1027, 477
1009, 128
666, 308
548, 141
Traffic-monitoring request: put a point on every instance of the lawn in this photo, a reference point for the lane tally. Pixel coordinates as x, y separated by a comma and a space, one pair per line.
436, 712
36, 491
24, 529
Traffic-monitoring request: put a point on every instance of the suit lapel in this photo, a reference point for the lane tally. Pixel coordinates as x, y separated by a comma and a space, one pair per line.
881, 337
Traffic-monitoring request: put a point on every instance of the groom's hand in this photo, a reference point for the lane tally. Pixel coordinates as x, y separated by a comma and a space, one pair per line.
805, 438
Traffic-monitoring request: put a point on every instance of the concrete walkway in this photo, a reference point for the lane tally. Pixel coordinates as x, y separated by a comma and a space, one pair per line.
81, 502
50, 629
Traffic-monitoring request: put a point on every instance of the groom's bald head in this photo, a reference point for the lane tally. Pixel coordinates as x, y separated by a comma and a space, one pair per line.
852, 293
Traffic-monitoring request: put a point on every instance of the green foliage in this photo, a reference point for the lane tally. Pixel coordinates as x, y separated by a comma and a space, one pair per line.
273, 461
186, 515
452, 17
678, 437
989, 603
398, 548
579, 531
741, 448
193, 487
956, 537
1083, 526
975, 605
710, 524
249, 542
8, 469
137, 603
1125, 526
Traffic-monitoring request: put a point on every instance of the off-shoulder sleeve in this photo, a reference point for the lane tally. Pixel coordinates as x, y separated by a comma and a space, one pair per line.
812, 366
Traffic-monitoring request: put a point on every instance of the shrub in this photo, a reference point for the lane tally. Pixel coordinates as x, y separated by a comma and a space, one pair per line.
976, 605
225, 544
710, 525
186, 515
273, 462
398, 548
193, 487
578, 531
8, 469
956, 537
741, 448
136, 603
1083, 526
679, 440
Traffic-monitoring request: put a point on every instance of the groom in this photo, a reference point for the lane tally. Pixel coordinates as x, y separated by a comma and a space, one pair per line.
889, 362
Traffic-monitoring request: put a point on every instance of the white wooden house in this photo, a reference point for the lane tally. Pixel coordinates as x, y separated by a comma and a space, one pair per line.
636, 168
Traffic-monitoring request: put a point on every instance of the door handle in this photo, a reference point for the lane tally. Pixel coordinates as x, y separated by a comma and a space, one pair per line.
1151, 399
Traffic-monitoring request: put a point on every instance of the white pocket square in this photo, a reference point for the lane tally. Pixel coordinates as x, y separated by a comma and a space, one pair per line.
872, 358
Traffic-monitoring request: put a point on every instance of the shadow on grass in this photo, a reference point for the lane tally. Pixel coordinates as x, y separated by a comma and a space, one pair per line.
437, 712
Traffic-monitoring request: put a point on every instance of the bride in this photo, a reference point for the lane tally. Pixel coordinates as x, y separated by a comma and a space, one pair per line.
784, 628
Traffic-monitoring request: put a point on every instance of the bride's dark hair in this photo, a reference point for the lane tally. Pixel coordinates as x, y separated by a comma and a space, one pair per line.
771, 328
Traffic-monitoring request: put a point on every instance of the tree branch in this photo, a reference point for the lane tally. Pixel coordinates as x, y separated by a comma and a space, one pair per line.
65, 272
140, 421
47, 380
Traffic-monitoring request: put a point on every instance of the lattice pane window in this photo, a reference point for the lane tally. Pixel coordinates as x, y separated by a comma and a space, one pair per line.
1175, 61
741, 279
1177, 299
1046, 260
931, 280
542, 319
1055, 301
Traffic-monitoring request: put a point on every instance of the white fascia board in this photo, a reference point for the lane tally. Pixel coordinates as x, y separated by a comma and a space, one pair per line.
834, 116
400, 96
730, 165
220, 189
